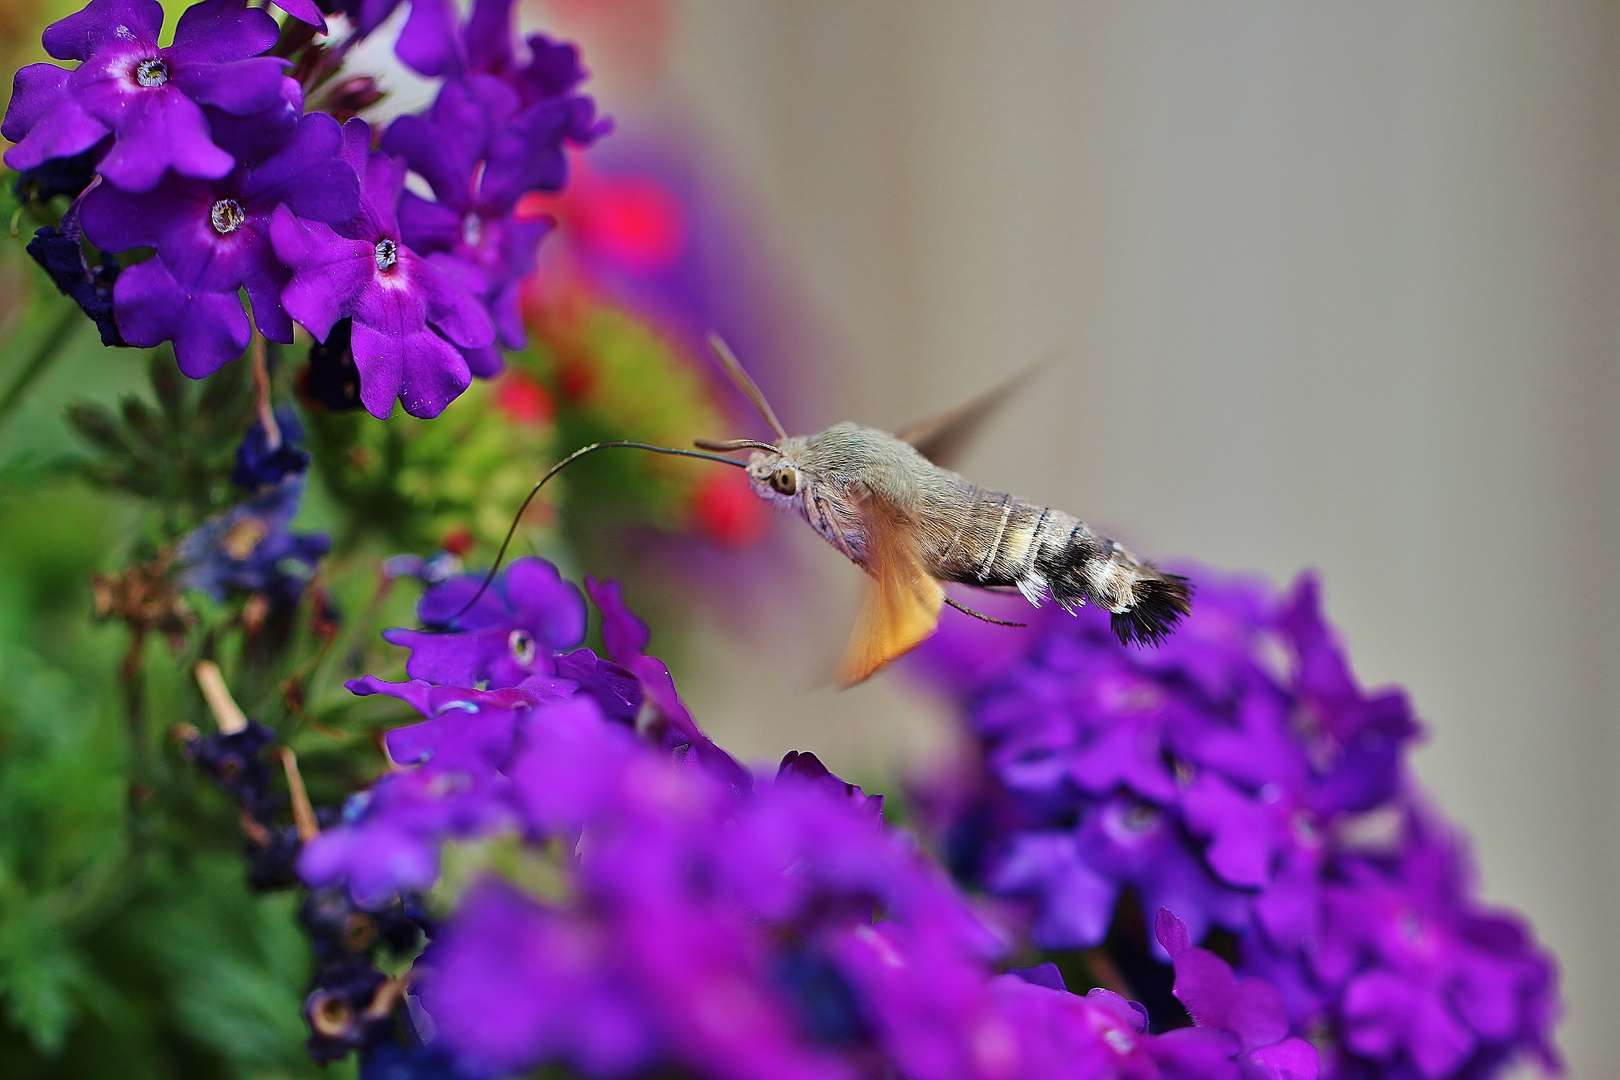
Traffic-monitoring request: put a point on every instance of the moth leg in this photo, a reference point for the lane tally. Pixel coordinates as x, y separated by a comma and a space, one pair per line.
833, 531
981, 615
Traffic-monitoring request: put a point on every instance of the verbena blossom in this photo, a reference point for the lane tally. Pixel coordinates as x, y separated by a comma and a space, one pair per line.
514, 630
250, 548
495, 133
1239, 776
400, 301
212, 240
263, 462
773, 928
203, 152
480, 155
148, 99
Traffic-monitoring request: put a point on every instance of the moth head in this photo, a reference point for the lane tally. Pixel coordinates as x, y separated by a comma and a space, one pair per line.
777, 475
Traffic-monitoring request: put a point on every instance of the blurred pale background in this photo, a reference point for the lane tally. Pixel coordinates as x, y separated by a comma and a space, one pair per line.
1340, 288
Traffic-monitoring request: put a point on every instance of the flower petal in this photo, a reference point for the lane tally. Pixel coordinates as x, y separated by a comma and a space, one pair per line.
208, 329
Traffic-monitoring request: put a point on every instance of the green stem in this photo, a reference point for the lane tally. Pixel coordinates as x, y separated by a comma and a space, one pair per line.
59, 333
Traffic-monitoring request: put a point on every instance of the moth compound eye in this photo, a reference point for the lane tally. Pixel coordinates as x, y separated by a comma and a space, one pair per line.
785, 481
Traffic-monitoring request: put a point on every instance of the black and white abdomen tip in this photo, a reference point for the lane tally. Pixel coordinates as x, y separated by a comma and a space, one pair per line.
1158, 601
1145, 603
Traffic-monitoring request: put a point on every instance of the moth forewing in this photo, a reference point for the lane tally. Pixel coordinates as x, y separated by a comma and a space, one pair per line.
903, 599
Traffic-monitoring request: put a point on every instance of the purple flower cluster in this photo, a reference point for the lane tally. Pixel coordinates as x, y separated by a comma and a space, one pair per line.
1240, 777
202, 151
250, 548
659, 909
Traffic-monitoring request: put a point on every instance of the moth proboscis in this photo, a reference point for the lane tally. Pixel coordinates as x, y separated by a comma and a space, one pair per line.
888, 504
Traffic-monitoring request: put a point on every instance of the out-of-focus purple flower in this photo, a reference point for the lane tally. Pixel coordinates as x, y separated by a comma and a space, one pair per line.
60, 253
337, 1010
526, 616
148, 98
480, 154
391, 1060
1233, 775
519, 983
400, 301
487, 45
390, 837
233, 761
213, 241
439, 567
249, 548
626, 638
260, 465
1419, 976
801, 766
427, 42
1250, 1008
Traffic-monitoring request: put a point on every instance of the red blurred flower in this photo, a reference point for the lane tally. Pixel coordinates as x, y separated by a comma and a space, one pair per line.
524, 400
727, 511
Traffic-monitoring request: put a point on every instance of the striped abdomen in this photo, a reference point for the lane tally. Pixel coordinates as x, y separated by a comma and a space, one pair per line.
990, 539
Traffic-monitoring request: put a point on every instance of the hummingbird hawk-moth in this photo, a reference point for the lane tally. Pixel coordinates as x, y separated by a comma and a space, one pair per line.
885, 501
889, 505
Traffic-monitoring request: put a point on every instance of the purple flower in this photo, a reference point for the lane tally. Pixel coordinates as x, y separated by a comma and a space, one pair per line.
480, 154
60, 253
400, 301
1250, 1008
148, 98
626, 638
665, 918
390, 837
1240, 777
526, 616
518, 982
1420, 974
249, 548
486, 46
213, 240
233, 761
495, 133
260, 465
801, 766
427, 41
471, 729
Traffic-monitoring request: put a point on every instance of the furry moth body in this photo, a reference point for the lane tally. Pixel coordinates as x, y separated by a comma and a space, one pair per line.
912, 524
889, 506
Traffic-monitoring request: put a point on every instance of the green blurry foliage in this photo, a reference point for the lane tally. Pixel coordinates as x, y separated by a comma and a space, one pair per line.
412, 484
176, 449
616, 377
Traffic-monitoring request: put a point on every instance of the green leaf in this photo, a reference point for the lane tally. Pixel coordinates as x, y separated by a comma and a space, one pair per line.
39, 973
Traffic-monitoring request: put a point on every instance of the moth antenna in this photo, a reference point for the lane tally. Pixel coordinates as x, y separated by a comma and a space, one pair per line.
745, 383
728, 445
981, 615
553, 471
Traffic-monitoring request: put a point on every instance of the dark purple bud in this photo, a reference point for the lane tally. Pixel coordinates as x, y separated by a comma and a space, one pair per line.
62, 257
332, 378
260, 465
